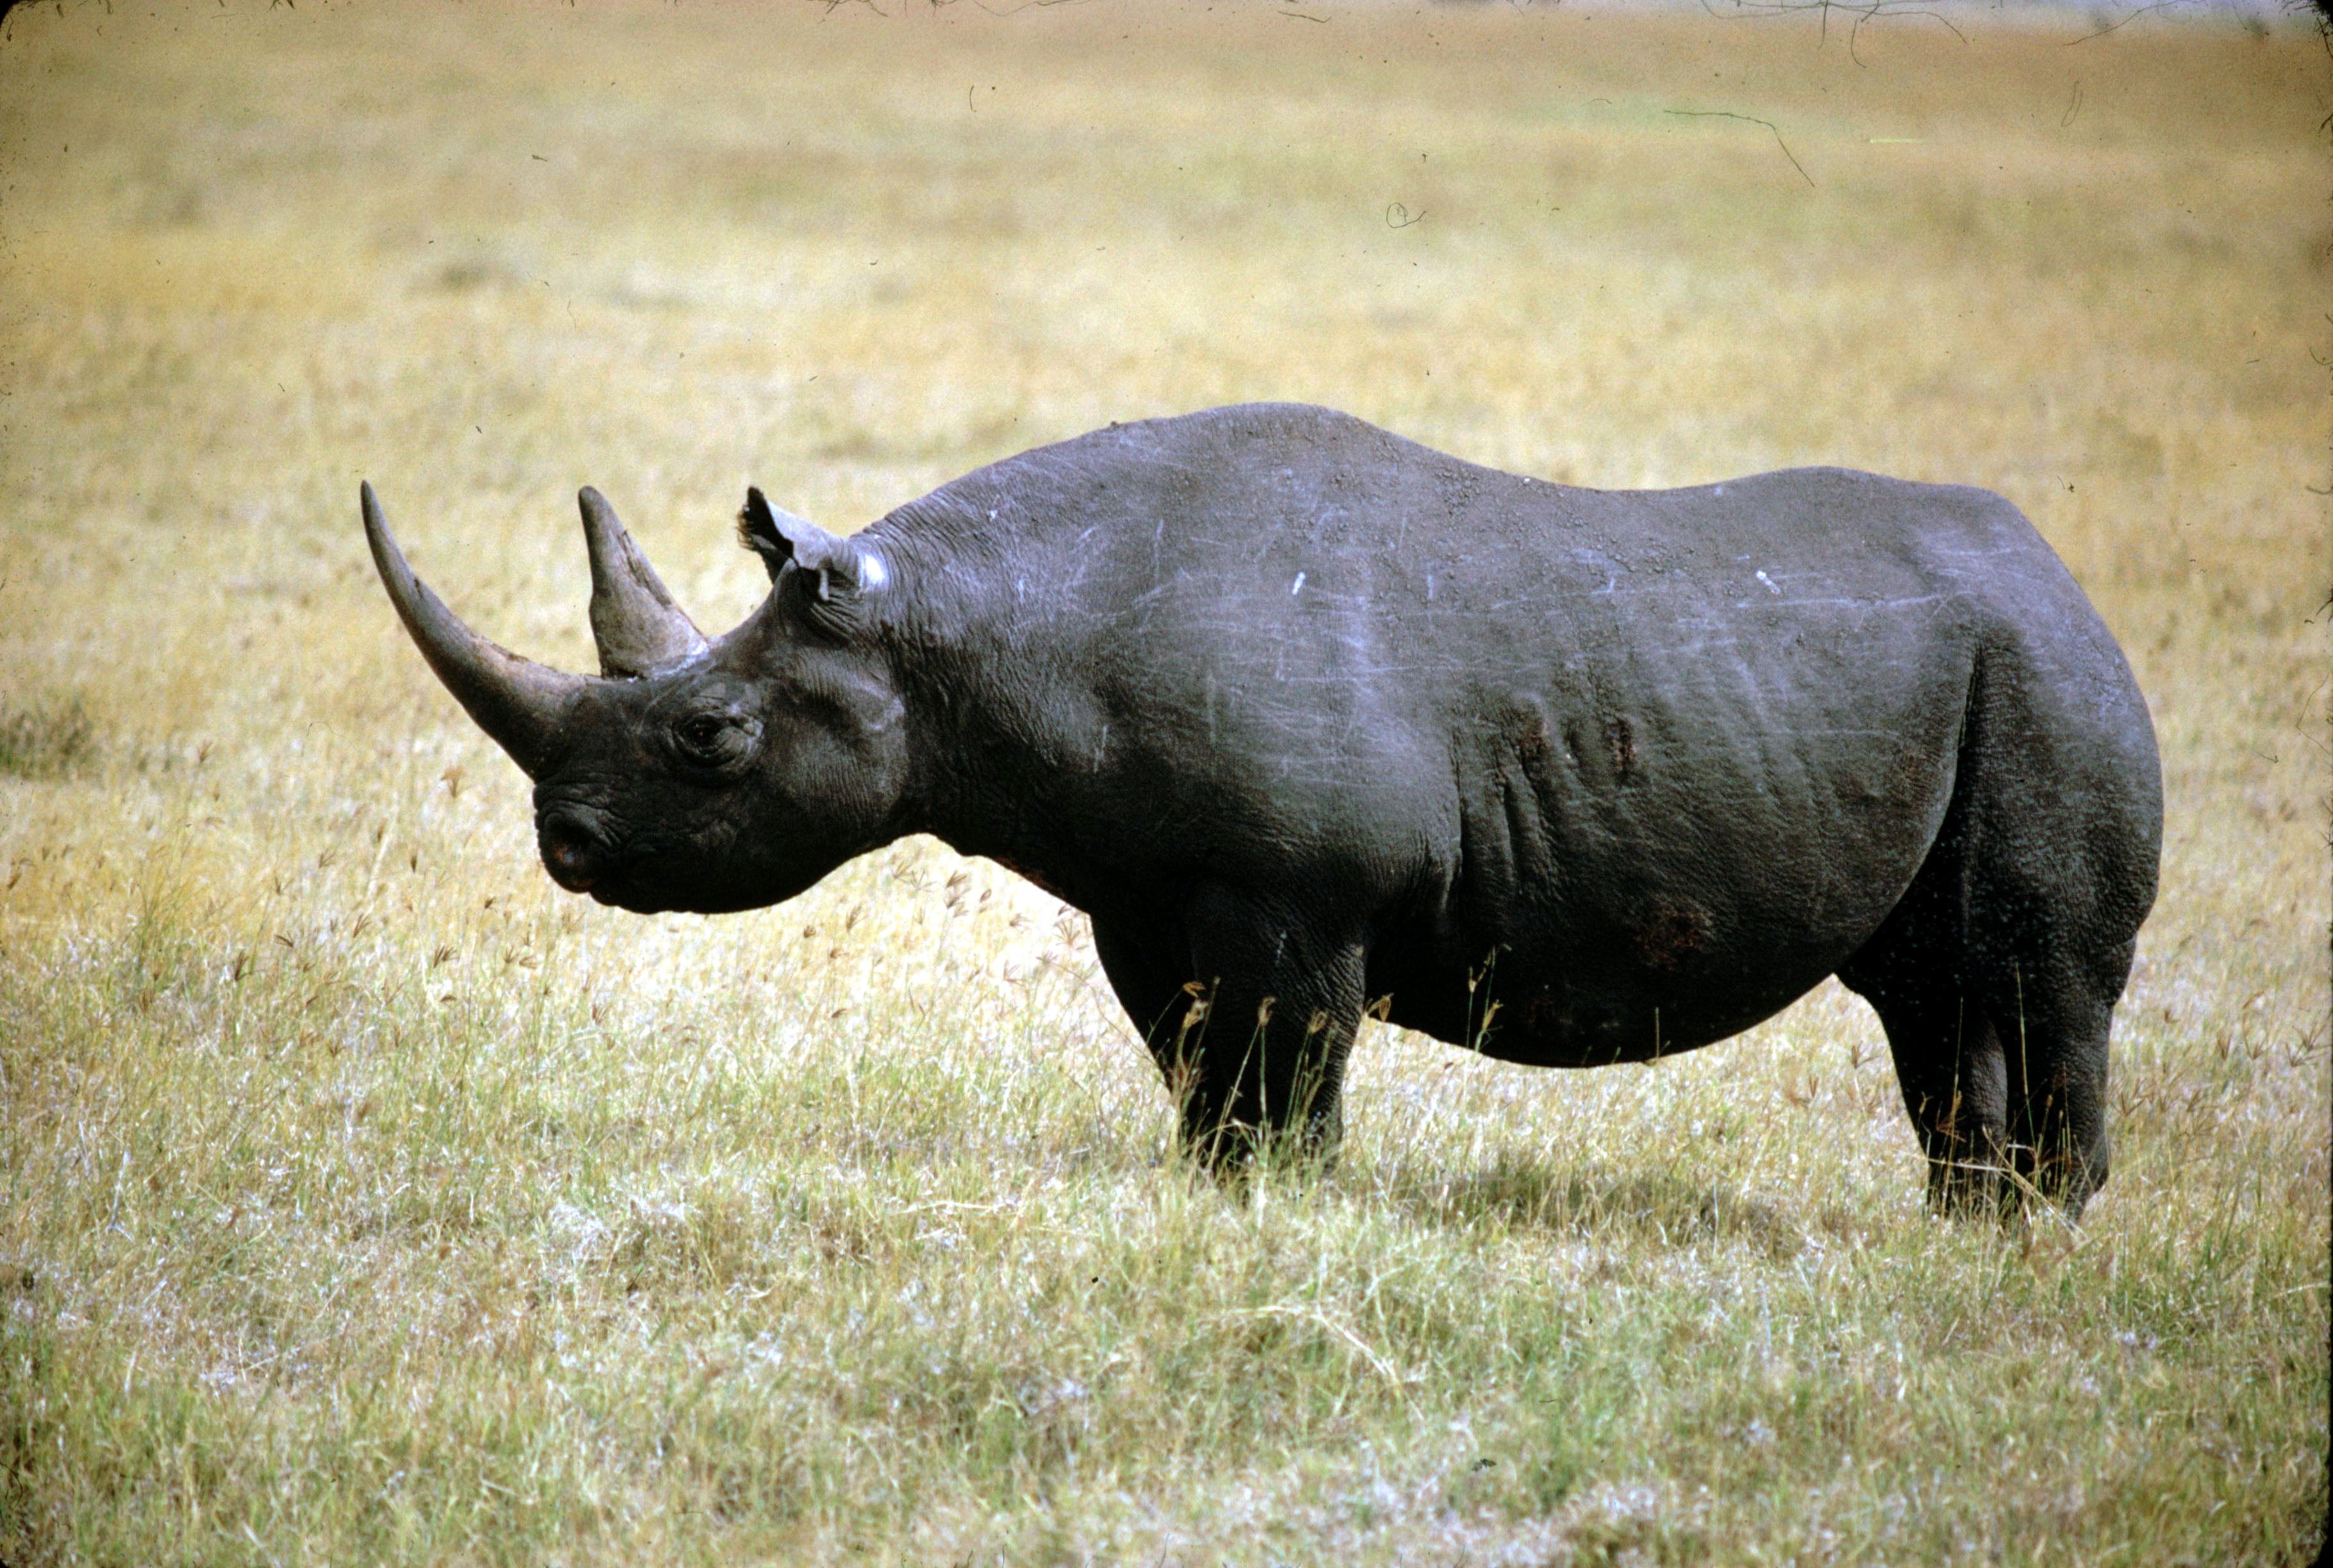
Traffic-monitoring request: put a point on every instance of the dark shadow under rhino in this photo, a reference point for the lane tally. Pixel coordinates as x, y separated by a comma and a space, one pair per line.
1310, 720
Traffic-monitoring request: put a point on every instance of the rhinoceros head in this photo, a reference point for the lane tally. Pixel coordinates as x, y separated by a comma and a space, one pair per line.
690, 773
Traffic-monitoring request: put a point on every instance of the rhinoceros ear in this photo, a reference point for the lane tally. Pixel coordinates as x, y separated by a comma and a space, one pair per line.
833, 567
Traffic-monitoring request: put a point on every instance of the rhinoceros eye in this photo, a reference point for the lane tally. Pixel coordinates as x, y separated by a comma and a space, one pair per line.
711, 739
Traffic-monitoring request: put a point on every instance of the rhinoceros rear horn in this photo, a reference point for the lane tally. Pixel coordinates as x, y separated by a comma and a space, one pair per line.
638, 628
521, 704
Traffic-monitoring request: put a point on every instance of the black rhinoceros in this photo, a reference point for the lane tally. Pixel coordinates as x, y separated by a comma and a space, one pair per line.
1311, 720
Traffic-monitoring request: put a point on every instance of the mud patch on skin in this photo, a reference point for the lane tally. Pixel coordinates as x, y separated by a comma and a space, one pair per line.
1546, 1013
1620, 743
1607, 753
1670, 933
1536, 750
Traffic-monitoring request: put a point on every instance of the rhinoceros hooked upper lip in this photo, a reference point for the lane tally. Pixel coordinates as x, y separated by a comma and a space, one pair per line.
1312, 720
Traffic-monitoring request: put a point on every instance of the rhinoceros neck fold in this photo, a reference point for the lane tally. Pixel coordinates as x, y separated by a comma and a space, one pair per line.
982, 714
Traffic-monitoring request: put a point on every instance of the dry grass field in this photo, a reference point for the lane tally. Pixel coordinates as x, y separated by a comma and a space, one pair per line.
364, 1199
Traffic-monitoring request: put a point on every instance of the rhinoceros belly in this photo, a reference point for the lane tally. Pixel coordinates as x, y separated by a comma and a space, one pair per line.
1659, 851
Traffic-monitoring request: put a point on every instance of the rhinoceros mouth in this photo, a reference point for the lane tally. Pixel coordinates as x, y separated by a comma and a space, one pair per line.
575, 881
577, 849
572, 867
632, 898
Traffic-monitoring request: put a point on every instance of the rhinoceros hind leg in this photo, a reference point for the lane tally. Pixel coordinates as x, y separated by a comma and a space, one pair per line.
2053, 1015
1952, 1069
1949, 1058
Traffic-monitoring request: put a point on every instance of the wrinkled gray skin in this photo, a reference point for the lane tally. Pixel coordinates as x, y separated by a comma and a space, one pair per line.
1311, 719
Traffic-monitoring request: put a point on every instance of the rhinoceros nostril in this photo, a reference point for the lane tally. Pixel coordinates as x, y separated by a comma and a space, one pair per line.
570, 854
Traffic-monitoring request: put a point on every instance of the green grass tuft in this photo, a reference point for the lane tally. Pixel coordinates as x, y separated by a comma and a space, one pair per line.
47, 740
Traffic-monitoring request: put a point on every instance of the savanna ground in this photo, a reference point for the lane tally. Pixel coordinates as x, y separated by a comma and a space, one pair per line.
365, 1199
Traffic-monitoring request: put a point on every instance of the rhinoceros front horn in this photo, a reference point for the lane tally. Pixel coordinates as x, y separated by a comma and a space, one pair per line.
518, 702
638, 628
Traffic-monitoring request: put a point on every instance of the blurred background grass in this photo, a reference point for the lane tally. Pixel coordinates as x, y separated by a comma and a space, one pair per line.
367, 1199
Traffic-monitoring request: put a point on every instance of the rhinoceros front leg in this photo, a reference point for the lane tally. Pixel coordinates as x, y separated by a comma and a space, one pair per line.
1147, 968
1249, 1011
1260, 1052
